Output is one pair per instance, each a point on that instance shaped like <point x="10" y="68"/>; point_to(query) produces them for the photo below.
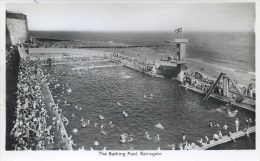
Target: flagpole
<point x="181" y="33"/>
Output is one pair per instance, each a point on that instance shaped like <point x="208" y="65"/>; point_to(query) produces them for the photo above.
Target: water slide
<point x="212" y="88"/>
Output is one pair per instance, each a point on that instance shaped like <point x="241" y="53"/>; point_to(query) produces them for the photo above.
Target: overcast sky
<point x="139" y="16"/>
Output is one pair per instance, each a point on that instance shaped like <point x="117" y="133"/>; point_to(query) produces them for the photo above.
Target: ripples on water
<point x="110" y="91"/>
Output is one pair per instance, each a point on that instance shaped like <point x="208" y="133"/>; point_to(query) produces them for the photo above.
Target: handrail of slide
<point x="212" y="88"/>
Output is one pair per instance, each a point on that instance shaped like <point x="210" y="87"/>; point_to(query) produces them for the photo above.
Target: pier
<point x="226" y="139"/>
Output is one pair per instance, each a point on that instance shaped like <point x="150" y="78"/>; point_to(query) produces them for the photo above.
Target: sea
<point x="149" y="101"/>
<point x="208" y="52"/>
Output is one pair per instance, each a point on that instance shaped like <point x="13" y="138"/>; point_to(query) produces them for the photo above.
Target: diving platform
<point x="226" y="139"/>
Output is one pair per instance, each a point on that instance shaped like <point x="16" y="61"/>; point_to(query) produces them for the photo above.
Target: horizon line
<point x="96" y="31"/>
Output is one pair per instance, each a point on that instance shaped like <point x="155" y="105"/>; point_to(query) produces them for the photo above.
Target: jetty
<point x="226" y="138"/>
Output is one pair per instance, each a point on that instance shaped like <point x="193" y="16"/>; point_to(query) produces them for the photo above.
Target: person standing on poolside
<point x="237" y="124"/>
<point x="183" y="137"/>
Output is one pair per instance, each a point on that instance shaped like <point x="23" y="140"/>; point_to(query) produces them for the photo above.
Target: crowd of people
<point x="217" y="135"/>
<point x="32" y="132"/>
<point x="30" y="129"/>
<point x="66" y="59"/>
<point x="35" y="125"/>
<point x="198" y="81"/>
<point x="138" y="64"/>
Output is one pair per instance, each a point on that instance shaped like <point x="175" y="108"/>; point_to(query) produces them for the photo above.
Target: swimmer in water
<point x="83" y="124"/>
<point x="101" y="126"/>
<point x="103" y="132"/>
<point x="130" y="139"/>
<point x="73" y="115"/>
<point x="95" y="124"/>
<point x="200" y="141"/>
<point x="217" y="125"/>
<point x="76" y="107"/>
<point x="247" y="122"/>
<point x="147" y="135"/>
<point x="96" y="143"/>
<point x="75" y="130"/>
<point x="125" y="114"/>
<point x="79" y="108"/>
<point x="250" y="120"/>
<point x="123" y="137"/>
<point x="159" y="125"/>
<point x="69" y="90"/>
<point x="225" y="127"/>
<point x="215" y="136"/>
<point x="101" y="117"/>
<point x="157" y="137"/>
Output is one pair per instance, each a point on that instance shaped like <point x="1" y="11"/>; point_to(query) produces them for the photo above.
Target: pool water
<point x="147" y="101"/>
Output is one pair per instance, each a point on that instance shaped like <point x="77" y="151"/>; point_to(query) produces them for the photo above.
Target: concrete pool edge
<point x="49" y="99"/>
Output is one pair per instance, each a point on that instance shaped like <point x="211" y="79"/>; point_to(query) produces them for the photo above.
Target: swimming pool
<point x="147" y="101"/>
